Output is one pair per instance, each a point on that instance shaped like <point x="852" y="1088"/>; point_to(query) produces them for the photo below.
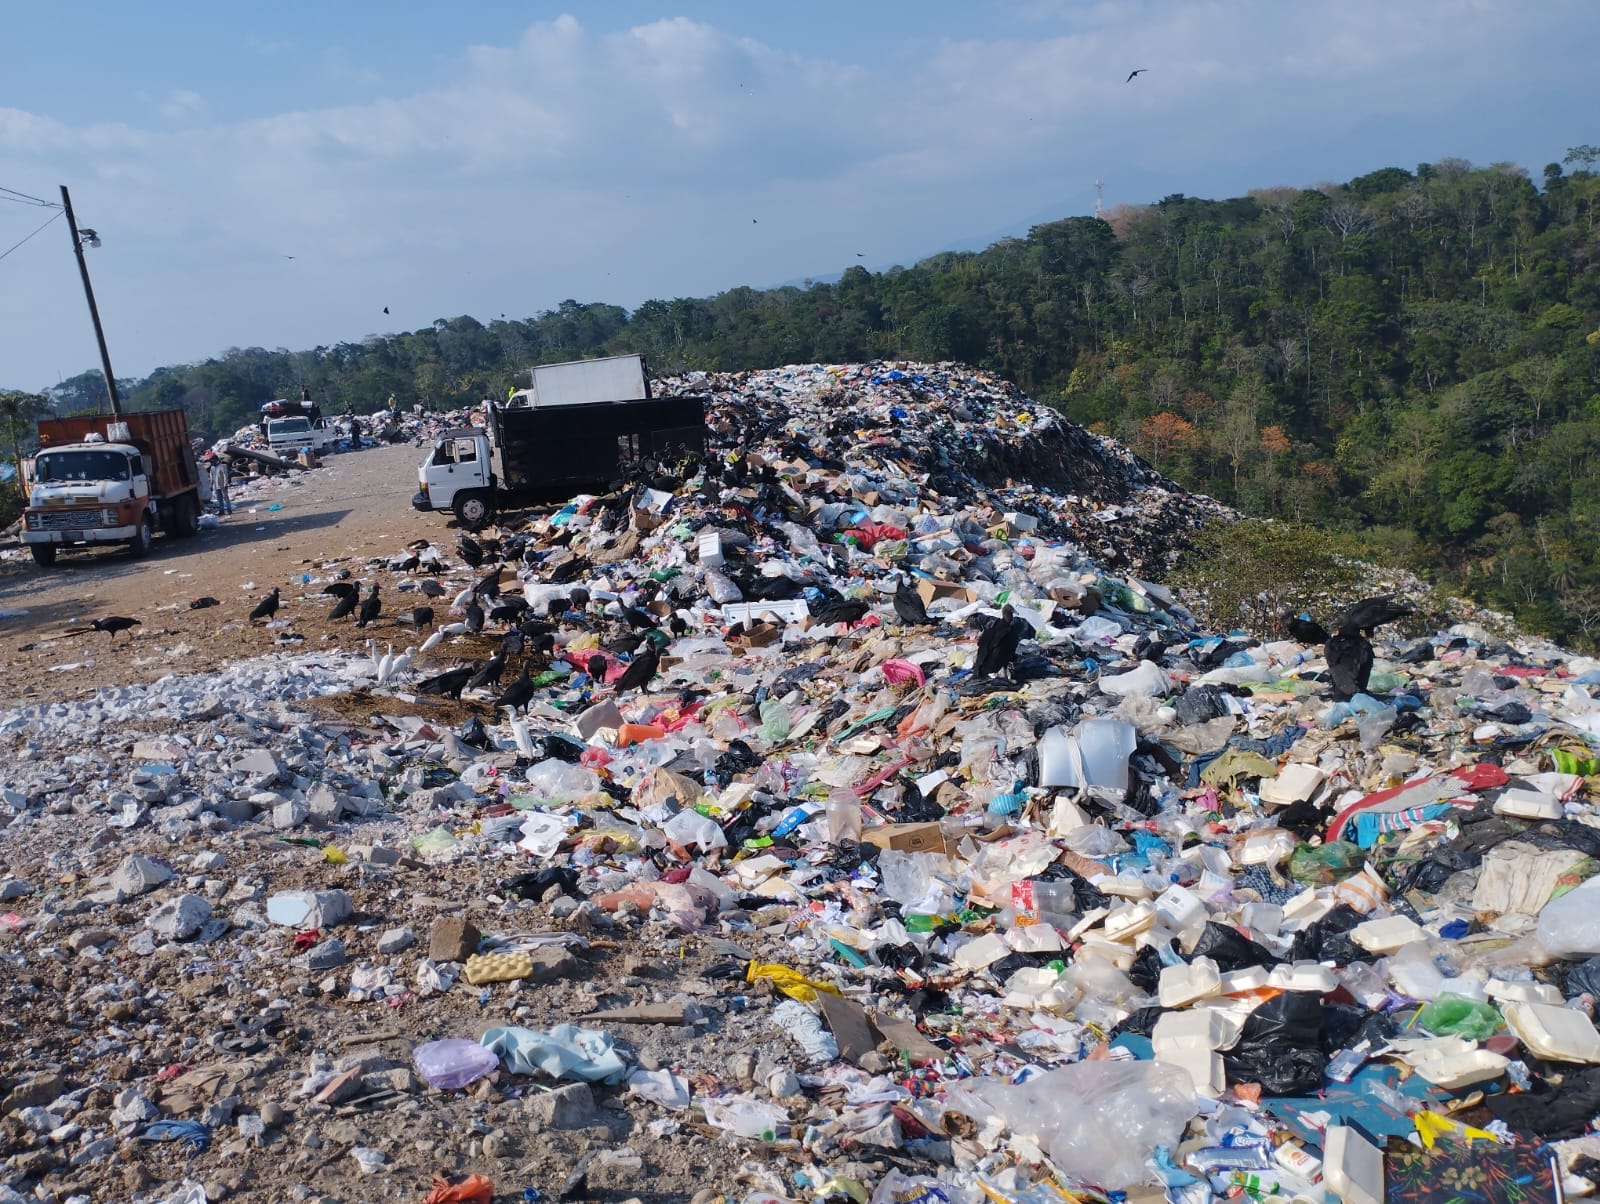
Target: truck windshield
<point x="289" y="426"/>
<point x="80" y="466"/>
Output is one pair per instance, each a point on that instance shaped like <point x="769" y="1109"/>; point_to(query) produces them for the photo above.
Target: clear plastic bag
<point x="1100" y="1122"/>
<point x="1570" y="926"/>
<point x="555" y="782"/>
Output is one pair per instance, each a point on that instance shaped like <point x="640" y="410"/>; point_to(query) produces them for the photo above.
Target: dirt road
<point x="355" y="506"/>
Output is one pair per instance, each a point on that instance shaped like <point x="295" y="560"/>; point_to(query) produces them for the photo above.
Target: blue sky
<point x="498" y="158"/>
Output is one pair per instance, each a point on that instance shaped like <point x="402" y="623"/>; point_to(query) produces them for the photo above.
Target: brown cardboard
<point x="907" y="838"/>
<point x="931" y="591"/>
<point x="761" y="635"/>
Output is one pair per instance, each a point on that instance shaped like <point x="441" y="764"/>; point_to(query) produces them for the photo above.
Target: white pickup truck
<point x="287" y="436"/>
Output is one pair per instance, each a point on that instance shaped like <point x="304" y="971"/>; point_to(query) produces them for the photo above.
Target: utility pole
<point x="1097" y="200"/>
<point x="88" y="292"/>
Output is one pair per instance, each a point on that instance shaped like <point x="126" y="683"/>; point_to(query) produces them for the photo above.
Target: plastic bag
<point x="1457" y="1016"/>
<point x="1229" y="949"/>
<point x="556" y="782"/>
<point x="1100" y="1122"/>
<point x="1570" y="926"/>
<point x="1323" y="865"/>
<point x="454" y="1062"/>
<point x="1280" y="1046"/>
<point x="806" y="1029"/>
<point x="1328" y="940"/>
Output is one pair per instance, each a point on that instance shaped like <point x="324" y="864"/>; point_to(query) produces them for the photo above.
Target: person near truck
<point x="221" y="478"/>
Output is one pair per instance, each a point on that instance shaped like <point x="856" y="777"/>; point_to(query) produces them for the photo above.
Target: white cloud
<point x="619" y="164"/>
<point x="182" y="103"/>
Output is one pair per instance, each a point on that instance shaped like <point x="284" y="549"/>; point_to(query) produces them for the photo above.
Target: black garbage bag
<point x="1583" y="980"/>
<point x="1146" y="971"/>
<point x="1141" y="1024"/>
<point x="559" y="747"/>
<point x="1552" y="1114"/>
<point x="473" y="733"/>
<point x="1280" y="1046"/>
<point x="533" y="885"/>
<point x="1230" y="950"/>
<point x="1512" y="713"/>
<point x="914" y="807"/>
<point x="738" y="759"/>
<point x="1328" y="940"/>
<point x="1200" y="704"/>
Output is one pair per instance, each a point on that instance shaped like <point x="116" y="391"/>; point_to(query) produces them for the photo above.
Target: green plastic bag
<point x="1457" y="1016"/>
<point x="1324" y="865"/>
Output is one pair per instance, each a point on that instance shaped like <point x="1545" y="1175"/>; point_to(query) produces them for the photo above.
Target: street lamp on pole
<point x="81" y="239"/>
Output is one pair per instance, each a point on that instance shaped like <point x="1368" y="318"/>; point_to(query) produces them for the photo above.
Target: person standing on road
<point x="221" y="478"/>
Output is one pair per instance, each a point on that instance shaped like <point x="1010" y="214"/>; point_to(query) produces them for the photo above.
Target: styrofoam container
<point x="1303" y="976"/>
<point x="1463" y="1069"/>
<point x="1206" y="1028"/>
<point x="1203" y="1066"/>
<point x="1121" y="887"/>
<point x="1263" y="918"/>
<point x="1522" y="992"/>
<point x="1529" y="804"/>
<point x="1118" y="954"/>
<point x="1388" y="934"/>
<point x="1129" y="922"/>
<point x="1295" y="783"/>
<point x="710" y="550"/>
<point x="1251" y="978"/>
<point x="1181" y="908"/>
<point x="1306" y="908"/>
<point x="1352" y="1167"/>
<point x="1183" y="985"/>
<point x="1559" y="1034"/>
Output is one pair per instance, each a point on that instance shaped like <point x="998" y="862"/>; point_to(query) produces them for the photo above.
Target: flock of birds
<point x="1348" y="649"/>
<point x="479" y="609"/>
<point x="629" y="639"/>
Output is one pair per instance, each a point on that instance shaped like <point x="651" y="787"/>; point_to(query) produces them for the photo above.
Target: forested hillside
<point x="1413" y="354"/>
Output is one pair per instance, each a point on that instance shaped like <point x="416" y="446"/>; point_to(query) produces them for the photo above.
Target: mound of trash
<point x="826" y="817"/>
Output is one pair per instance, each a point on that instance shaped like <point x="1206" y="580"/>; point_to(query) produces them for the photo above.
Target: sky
<point x="278" y="176"/>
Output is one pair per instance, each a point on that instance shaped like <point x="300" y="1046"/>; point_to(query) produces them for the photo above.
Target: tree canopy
<point x="1414" y="355"/>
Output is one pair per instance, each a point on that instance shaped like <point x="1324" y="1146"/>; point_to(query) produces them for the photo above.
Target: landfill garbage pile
<point x="945" y="437"/>
<point x="776" y="829"/>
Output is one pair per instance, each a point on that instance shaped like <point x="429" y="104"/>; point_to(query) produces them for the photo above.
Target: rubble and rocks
<point x="814" y="910"/>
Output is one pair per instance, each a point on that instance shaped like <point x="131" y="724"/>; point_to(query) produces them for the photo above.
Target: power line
<point x="15" y="245"/>
<point x="22" y="198"/>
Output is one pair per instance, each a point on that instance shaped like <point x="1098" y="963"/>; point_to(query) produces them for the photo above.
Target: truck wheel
<point x="472" y="509"/>
<point x="186" y="517"/>
<point x="44" y="554"/>
<point x="141" y="542"/>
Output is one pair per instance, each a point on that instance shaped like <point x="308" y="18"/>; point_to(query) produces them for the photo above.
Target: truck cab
<point x="457" y="474"/>
<point x="94" y="481"/>
<point x="285" y="436"/>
